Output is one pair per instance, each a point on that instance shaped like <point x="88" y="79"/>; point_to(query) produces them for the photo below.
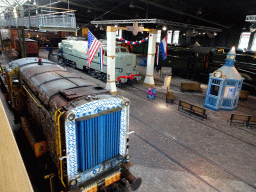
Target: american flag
<point x="93" y="46"/>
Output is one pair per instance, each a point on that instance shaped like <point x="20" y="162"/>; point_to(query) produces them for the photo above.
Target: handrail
<point x="31" y="96"/>
<point x="57" y="116"/>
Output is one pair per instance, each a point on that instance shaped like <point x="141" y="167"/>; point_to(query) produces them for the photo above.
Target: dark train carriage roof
<point x="53" y="80"/>
<point x="26" y="61"/>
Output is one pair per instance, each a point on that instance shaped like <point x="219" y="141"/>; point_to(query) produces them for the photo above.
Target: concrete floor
<point x="173" y="151"/>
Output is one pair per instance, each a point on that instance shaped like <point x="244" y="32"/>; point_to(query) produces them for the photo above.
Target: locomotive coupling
<point x="135" y="182"/>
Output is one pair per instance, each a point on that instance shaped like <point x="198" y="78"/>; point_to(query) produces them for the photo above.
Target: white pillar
<point x="111" y="60"/>
<point x="149" y="80"/>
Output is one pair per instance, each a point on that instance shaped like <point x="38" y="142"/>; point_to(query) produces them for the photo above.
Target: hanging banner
<point x="157" y="55"/>
<point x="101" y="58"/>
<point x="133" y="42"/>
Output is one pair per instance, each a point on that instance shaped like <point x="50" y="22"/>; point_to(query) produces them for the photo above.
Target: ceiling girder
<point x="95" y="8"/>
<point x="157" y="21"/>
<point x="182" y="13"/>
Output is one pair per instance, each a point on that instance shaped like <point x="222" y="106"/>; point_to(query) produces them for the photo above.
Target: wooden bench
<point x="245" y="119"/>
<point x="169" y="96"/>
<point x="192" y="109"/>
<point x="244" y="95"/>
<point x="190" y="87"/>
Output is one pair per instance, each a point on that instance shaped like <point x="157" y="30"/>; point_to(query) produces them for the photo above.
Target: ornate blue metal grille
<point x="97" y="140"/>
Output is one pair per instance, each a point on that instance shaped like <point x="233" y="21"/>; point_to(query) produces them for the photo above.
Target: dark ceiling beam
<point x="95" y="8"/>
<point x="182" y="13"/>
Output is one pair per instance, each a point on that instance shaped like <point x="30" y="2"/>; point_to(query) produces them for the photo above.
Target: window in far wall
<point x="169" y="36"/>
<point x="158" y="37"/>
<point x="244" y="40"/>
<point x="176" y="36"/>
<point x="119" y="33"/>
<point x="254" y="43"/>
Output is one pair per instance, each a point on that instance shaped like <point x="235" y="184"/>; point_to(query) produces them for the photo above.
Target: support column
<point x="149" y="80"/>
<point x="111" y="60"/>
<point x="22" y="42"/>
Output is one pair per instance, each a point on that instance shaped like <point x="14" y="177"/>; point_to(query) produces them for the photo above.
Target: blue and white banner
<point x="163" y="47"/>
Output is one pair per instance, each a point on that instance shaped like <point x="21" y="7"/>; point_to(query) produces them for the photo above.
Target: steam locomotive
<point x="198" y="62"/>
<point x="85" y="128"/>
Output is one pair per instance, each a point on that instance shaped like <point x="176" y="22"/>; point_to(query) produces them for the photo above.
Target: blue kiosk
<point x="224" y="86"/>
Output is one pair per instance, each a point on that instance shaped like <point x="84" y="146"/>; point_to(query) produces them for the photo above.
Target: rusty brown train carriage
<point x="85" y="127"/>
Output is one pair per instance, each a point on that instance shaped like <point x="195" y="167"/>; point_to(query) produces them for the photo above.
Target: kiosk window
<point x="215" y="90"/>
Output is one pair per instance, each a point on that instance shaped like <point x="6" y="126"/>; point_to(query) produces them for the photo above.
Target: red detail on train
<point x="131" y="77"/>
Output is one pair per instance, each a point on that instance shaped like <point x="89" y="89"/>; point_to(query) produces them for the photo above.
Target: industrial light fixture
<point x="131" y="5"/>
<point x="215" y="33"/>
<point x="89" y="11"/>
<point x="34" y="2"/>
<point x="252" y="28"/>
<point x="164" y="28"/>
<point x="115" y="25"/>
<point x="199" y="11"/>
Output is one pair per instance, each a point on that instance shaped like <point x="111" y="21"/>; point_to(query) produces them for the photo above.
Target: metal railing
<point x="65" y="19"/>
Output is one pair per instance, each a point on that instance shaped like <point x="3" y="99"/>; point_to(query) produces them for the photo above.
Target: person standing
<point x="50" y="52"/>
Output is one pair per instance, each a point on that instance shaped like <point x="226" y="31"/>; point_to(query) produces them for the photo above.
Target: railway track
<point x="162" y="96"/>
<point x="187" y="147"/>
<point x="191" y="150"/>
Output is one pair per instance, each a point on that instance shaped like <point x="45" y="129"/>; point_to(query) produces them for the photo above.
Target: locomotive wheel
<point x="104" y="78"/>
<point x="85" y="69"/>
<point x="130" y="82"/>
<point x="64" y="62"/>
<point x="60" y="61"/>
<point x="100" y="76"/>
<point x="120" y="85"/>
<point x="95" y="75"/>
<point x="73" y="65"/>
<point x="92" y="73"/>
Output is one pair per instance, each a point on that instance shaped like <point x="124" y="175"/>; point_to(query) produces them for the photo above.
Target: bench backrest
<point x="253" y="119"/>
<point x="191" y="86"/>
<point x="184" y="104"/>
<point x="198" y="109"/>
<point x="239" y="117"/>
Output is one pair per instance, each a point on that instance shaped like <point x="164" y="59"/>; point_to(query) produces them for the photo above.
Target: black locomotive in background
<point x="198" y="62"/>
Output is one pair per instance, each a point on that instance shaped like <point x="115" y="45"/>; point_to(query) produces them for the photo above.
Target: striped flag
<point x="101" y="58"/>
<point x="163" y="47"/>
<point x="157" y="55"/>
<point x="93" y="46"/>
